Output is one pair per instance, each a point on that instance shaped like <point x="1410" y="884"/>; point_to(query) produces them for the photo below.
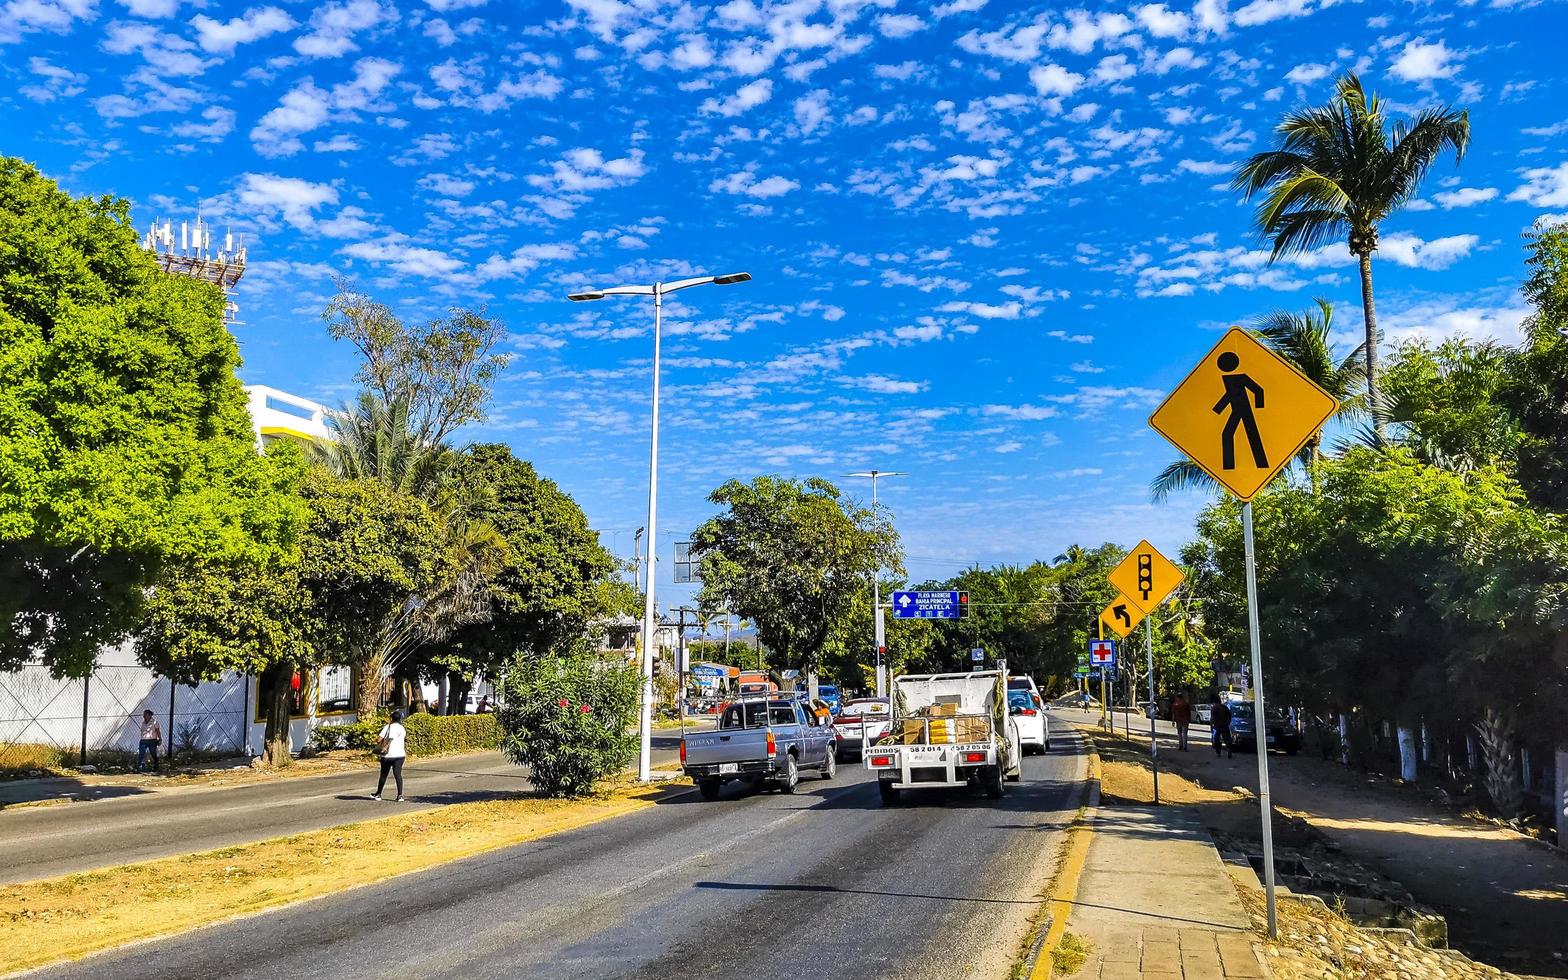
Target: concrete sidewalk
<point x="1155" y="903"/>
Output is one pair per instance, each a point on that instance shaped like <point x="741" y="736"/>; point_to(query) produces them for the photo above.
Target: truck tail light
<point x="881" y="760"/>
<point x="1028" y="712"/>
<point x="683" y="751"/>
<point x="974" y="756"/>
<point x="773" y="747"/>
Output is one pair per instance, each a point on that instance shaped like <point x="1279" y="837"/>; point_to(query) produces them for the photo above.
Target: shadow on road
<point x="835" y="890"/>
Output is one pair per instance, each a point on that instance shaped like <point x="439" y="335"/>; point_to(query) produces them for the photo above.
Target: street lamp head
<point x="732" y="278"/>
<point x="584" y="297"/>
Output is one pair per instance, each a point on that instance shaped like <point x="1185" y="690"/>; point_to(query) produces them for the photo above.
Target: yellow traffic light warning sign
<point x="1243" y="413"/>
<point x="1145" y="577"/>
<point x="1121" y="616"/>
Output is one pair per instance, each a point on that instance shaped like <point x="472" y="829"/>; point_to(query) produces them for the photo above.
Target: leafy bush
<point x="427" y="734"/>
<point x="568" y="719"/>
<point x="433" y="735"/>
<point x="360" y="736"/>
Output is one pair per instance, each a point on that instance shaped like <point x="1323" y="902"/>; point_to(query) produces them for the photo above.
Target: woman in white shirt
<point x="390" y="745"/>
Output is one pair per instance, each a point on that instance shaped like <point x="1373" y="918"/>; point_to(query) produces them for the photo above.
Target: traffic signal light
<point x="963" y="605"/>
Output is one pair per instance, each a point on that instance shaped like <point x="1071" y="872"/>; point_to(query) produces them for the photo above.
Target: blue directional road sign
<point x="925" y="605"/>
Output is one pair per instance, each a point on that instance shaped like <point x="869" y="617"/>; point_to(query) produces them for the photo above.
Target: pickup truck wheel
<point x="709" y="788"/>
<point x="991" y="782"/>
<point x="791" y="777"/>
<point x="887" y="791"/>
<point x="830" y="767"/>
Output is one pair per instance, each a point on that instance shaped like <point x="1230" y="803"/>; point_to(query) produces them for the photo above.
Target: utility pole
<point x="878" y="639"/>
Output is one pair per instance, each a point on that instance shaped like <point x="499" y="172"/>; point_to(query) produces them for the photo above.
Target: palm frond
<point x="1181" y="475"/>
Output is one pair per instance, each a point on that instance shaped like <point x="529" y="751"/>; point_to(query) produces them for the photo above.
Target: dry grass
<point x="1070" y="954"/>
<point x="66" y="918"/>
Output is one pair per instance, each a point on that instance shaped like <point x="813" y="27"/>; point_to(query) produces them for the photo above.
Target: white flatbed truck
<point x="985" y="761"/>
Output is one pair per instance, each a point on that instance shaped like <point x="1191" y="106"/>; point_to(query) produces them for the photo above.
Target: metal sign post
<point x="1154" y="742"/>
<point x="881" y="641"/>
<point x="1259" y="718"/>
<point x="1241" y="415"/>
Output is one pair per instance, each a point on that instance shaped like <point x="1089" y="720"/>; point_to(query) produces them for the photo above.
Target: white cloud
<point x="883" y="385"/>
<point x="1114" y="68"/>
<point x="1422" y="62"/>
<point x="1083" y="30"/>
<point x="1544" y="187"/>
<point x="1263" y="11"/>
<point x="333" y="26"/>
<point x="394" y="251"/>
<point x="747" y="97"/>
<point x="221" y="37"/>
<point x="811" y="111"/>
<point x="985" y="311"/>
<point x="1413" y="253"/>
<point x="1161" y="21"/>
<point x="1055" y="80"/>
<point x="54" y="82"/>
<point x="1011" y="446"/>
<point x="1072" y="338"/>
<point x="1440" y="319"/>
<point x="1022" y="413"/>
<point x="745" y="182"/>
<point x="900" y="25"/>
<point x="1307" y="74"/>
<point x="302" y="109"/>
<point x="219" y="123"/>
<point x="524" y="260"/>
<point x="295" y="199"/>
<point x="1465" y="197"/>
<point x="945" y="10"/>
<point x="1208" y="168"/>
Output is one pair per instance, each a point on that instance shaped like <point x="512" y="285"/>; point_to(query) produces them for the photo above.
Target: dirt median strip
<point x="60" y="919"/>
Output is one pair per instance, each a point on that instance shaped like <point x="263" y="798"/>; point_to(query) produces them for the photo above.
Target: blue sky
<point x="986" y="237"/>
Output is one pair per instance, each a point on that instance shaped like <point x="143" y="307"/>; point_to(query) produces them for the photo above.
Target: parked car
<point x="1202" y="713"/>
<point x="1028" y="713"/>
<point x="761" y="739"/>
<point x="1278" y="732"/>
<point x="861" y="723"/>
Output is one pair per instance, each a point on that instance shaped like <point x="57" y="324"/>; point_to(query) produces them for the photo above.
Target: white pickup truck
<point x="985" y="751"/>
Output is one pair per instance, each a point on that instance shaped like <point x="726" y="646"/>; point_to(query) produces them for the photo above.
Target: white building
<point x="279" y="415"/>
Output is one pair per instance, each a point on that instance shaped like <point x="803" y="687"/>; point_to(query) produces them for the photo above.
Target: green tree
<point x="549" y="579"/>
<point x="1538" y="395"/>
<point x="124" y="439"/>
<point x="790" y="556"/>
<point x="1339" y="170"/>
<point x="376" y="559"/>
<point x="440" y="373"/>
<point x="1303" y="339"/>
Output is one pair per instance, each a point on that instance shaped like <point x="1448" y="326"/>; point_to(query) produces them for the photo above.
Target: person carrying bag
<point x="390" y="746"/>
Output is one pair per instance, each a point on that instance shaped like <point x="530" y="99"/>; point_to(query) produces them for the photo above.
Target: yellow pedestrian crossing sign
<point x="1121" y="616"/>
<point x="1145" y="577"/>
<point x="1243" y="413"/>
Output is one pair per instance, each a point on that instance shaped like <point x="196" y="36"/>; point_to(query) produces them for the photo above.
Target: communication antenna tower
<point x="192" y="254"/>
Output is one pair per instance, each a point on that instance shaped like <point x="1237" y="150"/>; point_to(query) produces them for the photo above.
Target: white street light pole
<point x="876" y="585"/>
<point x="657" y="291"/>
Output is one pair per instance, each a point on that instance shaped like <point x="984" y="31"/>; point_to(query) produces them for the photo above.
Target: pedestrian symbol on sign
<point x="1238" y="388"/>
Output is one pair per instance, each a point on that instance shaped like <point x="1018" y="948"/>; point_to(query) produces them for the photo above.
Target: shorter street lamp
<point x="657" y="291"/>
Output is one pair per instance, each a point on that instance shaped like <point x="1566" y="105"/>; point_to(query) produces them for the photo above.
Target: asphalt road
<point x="826" y="883"/>
<point x="42" y="842"/>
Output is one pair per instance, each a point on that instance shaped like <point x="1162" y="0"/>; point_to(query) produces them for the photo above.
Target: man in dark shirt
<point x="1219" y="719"/>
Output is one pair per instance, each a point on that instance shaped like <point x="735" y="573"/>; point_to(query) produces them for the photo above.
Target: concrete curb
<point x="1038" y="964"/>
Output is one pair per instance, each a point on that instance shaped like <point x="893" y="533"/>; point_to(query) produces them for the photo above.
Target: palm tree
<point x="1303" y="339"/>
<point x="377" y="440"/>
<point x="1339" y="171"/>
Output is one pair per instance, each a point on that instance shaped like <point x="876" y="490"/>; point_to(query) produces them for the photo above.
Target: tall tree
<point x="124" y="439"/>
<point x="790" y="556"/>
<point x="441" y="372"/>
<point x="547" y="581"/>
<point x="1339" y="170"/>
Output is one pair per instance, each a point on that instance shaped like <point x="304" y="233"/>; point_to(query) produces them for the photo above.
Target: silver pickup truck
<point x="765" y="739"/>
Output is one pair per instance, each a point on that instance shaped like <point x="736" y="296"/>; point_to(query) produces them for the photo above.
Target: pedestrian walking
<point x="1219" y="719"/>
<point x="151" y="738"/>
<point x="1181" y="715"/>
<point x="390" y="745"/>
